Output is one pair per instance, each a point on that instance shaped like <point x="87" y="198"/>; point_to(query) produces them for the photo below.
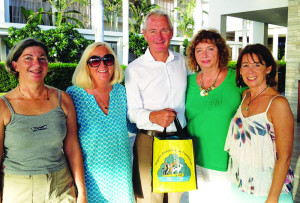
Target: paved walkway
<point x="295" y="163"/>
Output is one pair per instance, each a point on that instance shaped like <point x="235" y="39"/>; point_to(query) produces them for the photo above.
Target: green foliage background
<point x="137" y="44"/>
<point x="65" y="43"/>
<point x="59" y="76"/>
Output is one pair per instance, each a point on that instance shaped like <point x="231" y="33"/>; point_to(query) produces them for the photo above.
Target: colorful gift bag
<point x="173" y="163"/>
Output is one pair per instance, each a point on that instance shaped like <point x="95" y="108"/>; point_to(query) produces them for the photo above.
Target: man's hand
<point x="162" y="117"/>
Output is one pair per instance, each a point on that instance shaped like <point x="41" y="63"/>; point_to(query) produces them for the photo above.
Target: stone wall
<point x="293" y="54"/>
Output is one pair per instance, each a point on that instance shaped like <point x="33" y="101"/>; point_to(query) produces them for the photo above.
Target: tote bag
<point x="173" y="162"/>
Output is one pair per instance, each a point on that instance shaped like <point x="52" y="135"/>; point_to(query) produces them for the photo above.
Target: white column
<point x="256" y="34"/>
<point x="6" y="7"/>
<point x="98" y="19"/>
<point x="2" y="11"/>
<point x="223" y="26"/>
<point x="235" y="48"/>
<point x="175" y="19"/>
<point x="275" y="45"/>
<point x="266" y="32"/>
<point x="125" y="4"/>
<point x="198" y="16"/>
<point x="2" y="50"/>
<point x="244" y="33"/>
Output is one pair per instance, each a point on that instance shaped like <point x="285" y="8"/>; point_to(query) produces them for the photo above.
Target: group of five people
<point x="251" y="126"/>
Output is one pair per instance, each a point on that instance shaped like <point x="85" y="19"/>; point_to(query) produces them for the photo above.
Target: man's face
<point x="158" y="34"/>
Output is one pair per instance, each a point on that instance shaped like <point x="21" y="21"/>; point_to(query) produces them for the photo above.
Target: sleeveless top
<point x="34" y="144"/>
<point x="251" y="145"/>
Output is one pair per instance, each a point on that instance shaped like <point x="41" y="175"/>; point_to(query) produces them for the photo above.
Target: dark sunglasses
<point x="95" y="61"/>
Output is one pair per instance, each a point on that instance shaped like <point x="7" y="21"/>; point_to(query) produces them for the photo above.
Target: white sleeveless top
<point x="251" y="145"/>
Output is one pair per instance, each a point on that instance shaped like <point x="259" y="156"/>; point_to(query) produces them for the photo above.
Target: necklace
<point x="47" y="98"/>
<point x="251" y="100"/>
<point x="205" y="92"/>
<point x="104" y="104"/>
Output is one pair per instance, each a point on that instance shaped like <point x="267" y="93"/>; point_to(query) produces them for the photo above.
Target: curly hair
<point x="264" y="56"/>
<point x="210" y="36"/>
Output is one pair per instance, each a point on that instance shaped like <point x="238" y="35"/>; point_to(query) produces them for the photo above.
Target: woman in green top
<point x="211" y="101"/>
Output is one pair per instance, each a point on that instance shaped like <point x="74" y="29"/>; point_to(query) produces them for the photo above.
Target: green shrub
<point x="137" y="44"/>
<point x="185" y="44"/>
<point x="59" y="76"/>
<point x="232" y="65"/>
<point x="65" y="43"/>
<point x="7" y="81"/>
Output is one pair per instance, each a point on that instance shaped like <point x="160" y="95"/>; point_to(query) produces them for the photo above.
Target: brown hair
<point x="265" y="57"/>
<point x="210" y="36"/>
<point x="17" y="50"/>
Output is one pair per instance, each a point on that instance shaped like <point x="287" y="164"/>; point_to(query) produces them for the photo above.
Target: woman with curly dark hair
<point x="211" y="101"/>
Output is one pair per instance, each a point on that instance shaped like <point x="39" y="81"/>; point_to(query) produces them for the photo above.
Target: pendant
<point x="204" y="93"/>
<point x="246" y="109"/>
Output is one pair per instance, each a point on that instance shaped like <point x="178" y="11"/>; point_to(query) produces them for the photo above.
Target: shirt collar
<point x="150" y="58"/>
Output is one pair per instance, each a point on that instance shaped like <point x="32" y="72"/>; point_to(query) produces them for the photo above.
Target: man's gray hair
<point x="157" y="13"/>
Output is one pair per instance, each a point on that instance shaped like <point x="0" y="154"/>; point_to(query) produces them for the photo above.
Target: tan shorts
<point x="53" y="187"/>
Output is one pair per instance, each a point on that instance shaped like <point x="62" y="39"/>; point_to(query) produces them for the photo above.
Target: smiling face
<point x="253" y="72"/>
<point x="32" y="65"/>
<point x="102" y="73"/>
<point x="207" y="55"/>
<point x="158" y="34"/>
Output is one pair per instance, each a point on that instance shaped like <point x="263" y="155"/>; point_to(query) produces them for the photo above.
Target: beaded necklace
<point x="205" y="92"/>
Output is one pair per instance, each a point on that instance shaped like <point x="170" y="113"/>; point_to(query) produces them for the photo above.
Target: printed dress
<point x="251" y="146"/>
<point x="105" y="146"/>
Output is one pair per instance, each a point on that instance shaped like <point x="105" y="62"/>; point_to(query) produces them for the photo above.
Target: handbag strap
<point x="180" y="132"/>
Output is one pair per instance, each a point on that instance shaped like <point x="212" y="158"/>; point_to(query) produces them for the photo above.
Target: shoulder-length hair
<point x="81" y="76"/>
<point x="17" y="50"/>
<point x="210" y="36"/>
<point x="265" y="57"/>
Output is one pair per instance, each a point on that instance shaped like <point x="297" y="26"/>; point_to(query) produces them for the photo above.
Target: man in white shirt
<point x="155" y="86"/>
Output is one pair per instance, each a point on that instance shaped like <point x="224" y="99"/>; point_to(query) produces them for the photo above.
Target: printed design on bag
<point x="174" y="169"/>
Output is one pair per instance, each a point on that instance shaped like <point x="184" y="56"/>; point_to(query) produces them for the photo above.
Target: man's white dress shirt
<point x="154" y="85"/>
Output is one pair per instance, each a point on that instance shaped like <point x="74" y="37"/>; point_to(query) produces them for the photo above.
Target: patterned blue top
<point x="105" y="145"/>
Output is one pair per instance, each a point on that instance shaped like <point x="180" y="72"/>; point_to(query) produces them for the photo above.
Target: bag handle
<point x="180" y="132"/>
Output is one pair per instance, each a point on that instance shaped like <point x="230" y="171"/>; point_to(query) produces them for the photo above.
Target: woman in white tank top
<point x="260" y="137"/>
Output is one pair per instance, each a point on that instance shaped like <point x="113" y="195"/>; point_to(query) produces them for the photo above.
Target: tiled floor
<point x="296" y="163"/>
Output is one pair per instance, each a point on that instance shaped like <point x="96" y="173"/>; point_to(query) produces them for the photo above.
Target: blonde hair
<point x="81" y="76"/>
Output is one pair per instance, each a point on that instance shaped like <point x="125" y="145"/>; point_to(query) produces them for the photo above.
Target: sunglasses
<point x="95" y="61"/>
